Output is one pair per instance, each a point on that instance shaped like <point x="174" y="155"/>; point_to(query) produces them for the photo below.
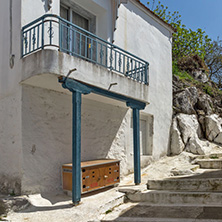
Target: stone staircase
<point x="196" y="197"/>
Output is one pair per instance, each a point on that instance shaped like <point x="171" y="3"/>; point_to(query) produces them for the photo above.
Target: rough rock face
<point x="185" y="135"/>
<point x="197" y="105"/>
<point x="214" y="128"/>
<point x="192" y="100"/>
<point x="177" y="145"/>
<point x="204" y="103"/>
<point x="200" y="76"/>
<point x="189" y="127"/>
<point x="185" y="100"/>
<point x="197" y="146"/>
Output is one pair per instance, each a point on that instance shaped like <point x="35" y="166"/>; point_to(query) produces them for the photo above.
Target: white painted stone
<point x="176" y="145"/>
<point x="156" y="49"/>
<point x="218" y="139"/>
<point x="213" y="127"/>
<point x="189" y="126"/>
<point x="10" y="98"/>
<point x="197" y="146"/>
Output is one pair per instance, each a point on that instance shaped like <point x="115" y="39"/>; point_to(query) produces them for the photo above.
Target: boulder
<point x="189" y="127"/>
<point x="197" y="146"/>
<point x="200" y="75"/>
<point x="218" y="139"/>
<point x="185" y="100"/>
<point x="204" y="103"/>
<point x="213" y="127"/>
<point x="201" y="119"/>
<point x="176" y="143"/>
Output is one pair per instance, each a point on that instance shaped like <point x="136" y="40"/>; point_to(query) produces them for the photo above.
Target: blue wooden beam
<point x="72" y="84"/>
<point x="136" y="145"/>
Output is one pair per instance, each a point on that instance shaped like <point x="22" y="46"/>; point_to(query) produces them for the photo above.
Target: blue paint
<point x="77" y="87"/>
<point x="72" y="39"/>
<point x="77" y="90"/>
<point x="136" y="146"/>
<point x="76" y="147"/>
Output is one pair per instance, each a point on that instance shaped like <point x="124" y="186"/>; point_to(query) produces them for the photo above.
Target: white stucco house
<point x="117" y="55"/>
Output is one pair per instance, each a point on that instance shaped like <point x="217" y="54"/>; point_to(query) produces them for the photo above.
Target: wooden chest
<point x="96" y="174"/>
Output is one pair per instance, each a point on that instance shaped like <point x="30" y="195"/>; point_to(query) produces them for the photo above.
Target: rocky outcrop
<point x="213" y="125"/>
<point x="177" y="144"/>
<point x="193" y="100"/>
<point x="200" y="76"/>
<point x="197" y="109"/>
<point x="185" y="100"/>
<point x="186" y="134"/>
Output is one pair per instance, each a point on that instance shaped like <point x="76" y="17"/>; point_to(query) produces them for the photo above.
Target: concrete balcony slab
<point x="42" y="68"/>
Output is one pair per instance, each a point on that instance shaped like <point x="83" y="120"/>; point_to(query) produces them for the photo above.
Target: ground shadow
<point x="170" y="212"/>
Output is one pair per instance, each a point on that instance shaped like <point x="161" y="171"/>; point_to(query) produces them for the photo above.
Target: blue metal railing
<point x="53" y="31"/>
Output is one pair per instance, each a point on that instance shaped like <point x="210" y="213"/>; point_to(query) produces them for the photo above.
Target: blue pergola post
<point x="136" y="145"/>
<point x="76" y="147"/>
<point x="136" y="107"/>
<point x="77" y="90"/>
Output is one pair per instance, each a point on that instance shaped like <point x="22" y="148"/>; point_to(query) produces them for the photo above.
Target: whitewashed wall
<point x="10" y="98"/>
<point x="35" y="123"/>
<point x="138" y="33"/>
<point x="47" y="136"/>
<point x="32" y="10"/>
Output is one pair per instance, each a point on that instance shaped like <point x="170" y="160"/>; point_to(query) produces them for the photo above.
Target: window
<point x="75" y="41"/>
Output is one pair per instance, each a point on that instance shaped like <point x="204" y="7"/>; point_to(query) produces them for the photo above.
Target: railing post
<point x="146" y="74"/>
<point x="22" y="40"/>
<point x="43" y="33"/>
<point x="110" y="56"/>
<point x="60" y="35"/>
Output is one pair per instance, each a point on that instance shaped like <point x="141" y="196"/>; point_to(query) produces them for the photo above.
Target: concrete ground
<point x="165" y="213"/>
<point x="107" y="204"/>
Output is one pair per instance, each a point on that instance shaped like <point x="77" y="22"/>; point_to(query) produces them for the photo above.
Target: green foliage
<point x="214" y="157"/>
<point x="208" y="90"/>
<point x="183" y="75"/>
<point x="185" y="41"/>
<point x="108" y="211"/>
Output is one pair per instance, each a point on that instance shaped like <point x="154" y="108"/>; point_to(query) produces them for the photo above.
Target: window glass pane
<point x="64" y="12"/>
<point x="80" y="21"/>
<point x="82" y="43"/>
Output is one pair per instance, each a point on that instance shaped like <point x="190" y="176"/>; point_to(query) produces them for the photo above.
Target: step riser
<point x="207" y="185"/>
<point x="139" y="219"/>
<point x="210" y="164"/>
<point x="153" y="197"/>
<point x="211" y="156"/>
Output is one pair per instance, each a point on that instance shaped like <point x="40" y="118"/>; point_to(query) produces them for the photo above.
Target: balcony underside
<point x="43" y="67"/>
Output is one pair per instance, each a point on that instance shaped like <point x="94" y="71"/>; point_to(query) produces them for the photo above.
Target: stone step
<point x="168" y="213"/>
<point x="210" y="156"/>
<point x="210" y="163"/>
<point x="141" y="219"/>
<point x="175" y="197"/>
<point x="187" y="184"/>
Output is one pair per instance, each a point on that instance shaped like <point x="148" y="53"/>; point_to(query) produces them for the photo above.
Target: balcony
<point x="53" y="32"/>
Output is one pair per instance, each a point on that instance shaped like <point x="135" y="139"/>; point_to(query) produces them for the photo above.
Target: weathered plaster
<point x="140" y="34"/>
<point x="35" y="129"/>
<point x="47" y="135"/>
<point x="59" y="63"/>
<point x="10" y="98"/>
